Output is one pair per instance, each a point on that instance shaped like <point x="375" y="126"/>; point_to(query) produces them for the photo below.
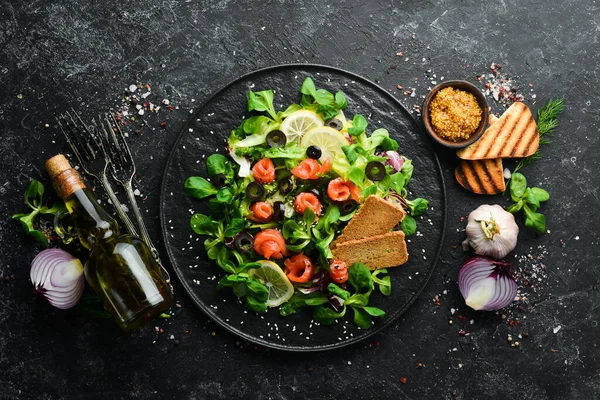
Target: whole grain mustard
<point x="455" y="114"/>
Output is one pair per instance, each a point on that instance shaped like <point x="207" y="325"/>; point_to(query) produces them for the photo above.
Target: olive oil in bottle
<point x="120" y="268"/>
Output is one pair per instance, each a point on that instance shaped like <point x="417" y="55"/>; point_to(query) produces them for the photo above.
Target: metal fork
<point x="123" y="170"/>
<point x="87" y="145"/>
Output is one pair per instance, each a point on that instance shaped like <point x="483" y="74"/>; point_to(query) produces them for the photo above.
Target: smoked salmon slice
<point x="264" y="171"/>
<point x="270" y="243"/>
<point x="261" y="212"/>
<point x="299" y="268"/>
<point x="307" y="169"/>
<point x="307" y="199"/>
<point x="311" y="169"/>
<point x="341" y="190"/>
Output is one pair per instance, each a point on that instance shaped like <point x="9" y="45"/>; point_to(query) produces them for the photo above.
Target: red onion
<point x="486" y="284"/>
<point x="58" y="276"/>
<point x="395" y="159"/>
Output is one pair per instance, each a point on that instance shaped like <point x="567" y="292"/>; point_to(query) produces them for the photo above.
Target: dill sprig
<point x="546" y="123"/>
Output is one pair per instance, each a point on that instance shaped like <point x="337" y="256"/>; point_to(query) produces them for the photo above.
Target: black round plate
<point x="206" y="133"/>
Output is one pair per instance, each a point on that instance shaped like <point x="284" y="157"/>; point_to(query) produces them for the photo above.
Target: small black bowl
<point x="469" y="88"/>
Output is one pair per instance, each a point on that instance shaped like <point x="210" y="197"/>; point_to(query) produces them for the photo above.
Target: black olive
<point x="244" y="242"/>
<point x="335" y="124"/>
<point x="255" y="191"/>
<point x="219" y="180"/>
<point x="316" y="192"/>
<point x="346" y="207"/>
<point x="276" y="138"/>
<point x="278" y="211"/>
<point x="314" y="152"/>
<point x="285" y="185"/>
<point x="375" y="171"/>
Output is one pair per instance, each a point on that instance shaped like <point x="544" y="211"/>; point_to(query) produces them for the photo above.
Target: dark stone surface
<point x="84" y="54"/>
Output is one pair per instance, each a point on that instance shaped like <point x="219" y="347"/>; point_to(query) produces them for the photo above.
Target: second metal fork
<point x="87" y="145"/>
<point x="123" y="170"/>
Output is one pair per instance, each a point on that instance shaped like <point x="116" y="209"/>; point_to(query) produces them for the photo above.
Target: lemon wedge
<point x="271" y="275"/>
<point x="298" y="123"/>
<point x="329" y="140"/>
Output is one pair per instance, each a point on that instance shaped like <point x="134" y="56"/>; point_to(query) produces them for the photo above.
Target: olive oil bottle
<point x="120" y="268"/>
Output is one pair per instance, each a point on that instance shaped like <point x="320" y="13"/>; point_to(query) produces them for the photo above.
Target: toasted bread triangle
<point x="375" y="217"/>
<point x="514" y="135"/>
<point x="481" y="176"/>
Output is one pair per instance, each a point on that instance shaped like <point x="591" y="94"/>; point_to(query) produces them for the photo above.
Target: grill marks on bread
<point x="513" y="135"/>
<point x="481" y="176"/>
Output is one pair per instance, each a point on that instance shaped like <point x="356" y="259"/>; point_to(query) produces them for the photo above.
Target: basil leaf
<point x="258" y="125"/>
<point x="397" y="182"/>
<point x="340" y="100"/>
<point x="350" y="153"/>
<point x="368" y="191"/>
<point x="362" y="319"/>
<point x="374" y="311"/>
<point x="515" y="207"/>
<point x="359" y="277"/>
<point x="224" y="262"/>
<point x="260" y="101"/>
<point x="216" y="164"/>
<point x="253" y="304"/>
<point x="34" y="194"/>
<point x="359" y="299"/>
<point x="540" y="193"/>
<point x="359" y="124"/>
<point x="323" y="97"/>
<point x="235" y="226"/>
<point x="531" y="199"/>
<point x="288" y="111"/>
<point x="518" y="185"/>
<point x="198" y="187"/>
<point x="357" y="176"/>
<point x="257" y="290"/>
<point x="533" y="220"/>
<point x="327" y="111"/>
<point x="338" y="291"/>
<point x="325" y="315"/>
<point x="417" y="206"/>
<point x="408" y="225"/>
<point x="308" y="87"/>
<point x="309" y="217"/>
<point x="385" y="285"/>
<point x="289" y="227"/>
<point x="224" y="195"/>
<point x="203" y="225"/>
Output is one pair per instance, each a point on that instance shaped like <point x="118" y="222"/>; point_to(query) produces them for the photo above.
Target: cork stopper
<point x="64" y="178"/>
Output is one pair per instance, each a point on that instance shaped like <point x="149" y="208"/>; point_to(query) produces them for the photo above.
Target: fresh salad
<point x="290" y="183"/>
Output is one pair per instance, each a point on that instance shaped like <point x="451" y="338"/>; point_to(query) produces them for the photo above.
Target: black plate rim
<point x="207" y="310"/>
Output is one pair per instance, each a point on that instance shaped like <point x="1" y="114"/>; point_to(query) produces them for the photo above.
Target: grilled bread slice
<point x="514" y="135"/>
<point x="481" y="176"/>
<point x="376" y="252"/>
<point x="376" y="216"/>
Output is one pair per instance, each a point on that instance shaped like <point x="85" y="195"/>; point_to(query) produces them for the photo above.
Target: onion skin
<point x="496" y="244"/>
<point x="486" y="284"/>
<point x="57" y="276"/>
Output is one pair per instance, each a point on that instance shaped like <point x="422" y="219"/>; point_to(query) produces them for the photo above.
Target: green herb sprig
<point x="34" y="198"/>
<point x="528" y="199"/>
<point x="546" y="123"/>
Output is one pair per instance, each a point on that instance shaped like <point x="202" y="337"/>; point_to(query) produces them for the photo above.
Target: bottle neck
<point x="94" y="225"/>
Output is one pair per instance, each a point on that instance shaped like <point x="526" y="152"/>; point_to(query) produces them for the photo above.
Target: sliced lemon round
<point x="298" y="123"/>
<point x="271" y="275"/>
<point x="329" y="140"/>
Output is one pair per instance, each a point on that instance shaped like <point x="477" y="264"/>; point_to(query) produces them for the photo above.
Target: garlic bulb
<point x="492" y="231"/>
